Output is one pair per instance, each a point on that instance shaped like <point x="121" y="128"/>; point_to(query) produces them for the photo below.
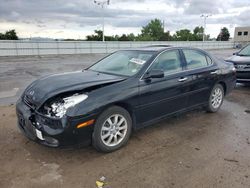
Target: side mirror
<point x="235" y="53"/>
<point x="155" y="73"/>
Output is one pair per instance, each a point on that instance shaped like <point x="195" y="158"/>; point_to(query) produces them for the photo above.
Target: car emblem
<point x="31" y="92"/>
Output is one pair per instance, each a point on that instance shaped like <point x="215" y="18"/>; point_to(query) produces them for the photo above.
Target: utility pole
<point x="102" y="3"/>
<point x="205" y="16"/>
<point x="163" y="23"/>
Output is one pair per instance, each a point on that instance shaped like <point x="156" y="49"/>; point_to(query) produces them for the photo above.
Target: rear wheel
<point x="216" y="98"/>
<point x="112" y="129"/>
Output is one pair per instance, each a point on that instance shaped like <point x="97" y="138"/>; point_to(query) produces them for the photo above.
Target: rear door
<point x="161" y="96"/>
<point x="203" y="72"/>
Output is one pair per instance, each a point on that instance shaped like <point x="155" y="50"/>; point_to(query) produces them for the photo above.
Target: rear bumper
<point x="55" y="132"/>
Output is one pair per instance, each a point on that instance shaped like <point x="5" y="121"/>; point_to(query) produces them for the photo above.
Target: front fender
<point x="103" y="97"/>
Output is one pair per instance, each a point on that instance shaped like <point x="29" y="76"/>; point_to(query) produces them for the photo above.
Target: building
<point x="242" y="34"/>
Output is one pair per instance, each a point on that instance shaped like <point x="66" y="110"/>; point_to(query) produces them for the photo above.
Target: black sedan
<point x="125" y="91"/>
<point x="241" y="61"/>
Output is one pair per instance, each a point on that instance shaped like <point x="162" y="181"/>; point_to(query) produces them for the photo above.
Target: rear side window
<point x="195" y="59"/>
<point x="169" y="62"/>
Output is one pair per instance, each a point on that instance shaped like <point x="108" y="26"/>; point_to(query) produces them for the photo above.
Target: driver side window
<point x="169" y="62"/>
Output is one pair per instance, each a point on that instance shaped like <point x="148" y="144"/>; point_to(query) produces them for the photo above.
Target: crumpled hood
<point x="239" y="59"/>
<point x="44" y="88"/>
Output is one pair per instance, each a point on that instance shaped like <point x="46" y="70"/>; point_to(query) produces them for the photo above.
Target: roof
<point x="155" y="48"/>
<point x="160" y="48"/>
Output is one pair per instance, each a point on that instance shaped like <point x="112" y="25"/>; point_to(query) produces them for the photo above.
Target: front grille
<point x="247" y="67"/>
<point x="242" y="66"/>
<point x="28" y="102"/>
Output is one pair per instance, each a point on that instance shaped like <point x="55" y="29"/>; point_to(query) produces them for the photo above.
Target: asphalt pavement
<point x="192" y="150"/>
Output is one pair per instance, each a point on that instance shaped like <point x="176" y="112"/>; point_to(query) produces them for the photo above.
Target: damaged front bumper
<point x="54" y="132"/>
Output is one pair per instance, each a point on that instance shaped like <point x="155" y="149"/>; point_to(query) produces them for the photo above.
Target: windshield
<point x="126" y="63"/>
<point x="245" y="51"/>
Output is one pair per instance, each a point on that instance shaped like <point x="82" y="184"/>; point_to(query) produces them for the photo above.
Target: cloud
<point x="200" y="7"/>
<point x="43" y="16"/>
<point x="41" y="25"/>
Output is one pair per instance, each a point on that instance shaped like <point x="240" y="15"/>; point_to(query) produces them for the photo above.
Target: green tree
<point x="198" y="33"/>
<point x="166" y="36"/>
<point x="116" y="37"/>
<point x="207" y="37"/>
<point x="183" y="35"/>
<point x="223" y="35"/>
<point x="110" y="38"/>
<point x="131" y="37"/>
<point x="95" y="37"/>
<point x="123" y="38"/>
<point x="2" y="37"/>
<point x="9" y="35"/>
<point x="144" y="38"/>
<point x="154" y="30"/>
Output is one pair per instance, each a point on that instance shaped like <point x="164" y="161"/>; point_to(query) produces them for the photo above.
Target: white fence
<point x="19" y="48"/>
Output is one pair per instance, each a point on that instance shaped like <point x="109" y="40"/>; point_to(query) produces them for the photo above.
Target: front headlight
<point x="59" y="108"/>
<point x="234" y="69"/>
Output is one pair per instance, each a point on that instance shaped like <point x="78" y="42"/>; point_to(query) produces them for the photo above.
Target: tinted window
<point x="168" y="61"/>
<point x="195" y="59"/>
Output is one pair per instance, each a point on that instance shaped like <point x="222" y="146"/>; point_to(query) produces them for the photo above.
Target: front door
<point x="162" y="96"/>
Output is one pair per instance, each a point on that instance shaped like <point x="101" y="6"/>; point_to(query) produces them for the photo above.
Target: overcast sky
<point x="78" y="18"/>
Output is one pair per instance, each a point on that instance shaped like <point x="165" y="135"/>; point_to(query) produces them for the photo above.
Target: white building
<point x="242" y="34"/>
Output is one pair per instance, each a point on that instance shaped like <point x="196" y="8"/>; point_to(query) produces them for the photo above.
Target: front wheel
<point x="216" y="98"/>
<point x="112" y="129"/>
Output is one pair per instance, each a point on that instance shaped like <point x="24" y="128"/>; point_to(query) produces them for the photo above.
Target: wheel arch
<point x="129" y="108"/>
<point x="224" y="86"/>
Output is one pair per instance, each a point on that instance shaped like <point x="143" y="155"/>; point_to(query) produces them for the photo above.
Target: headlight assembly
<point x="59" y="108"/>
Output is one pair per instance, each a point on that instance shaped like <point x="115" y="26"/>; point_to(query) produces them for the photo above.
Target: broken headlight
<point x="59" y="107"/>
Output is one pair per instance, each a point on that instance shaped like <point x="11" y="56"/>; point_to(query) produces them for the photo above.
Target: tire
<point x="216" y="98"/>
<point x="112" y="129"/>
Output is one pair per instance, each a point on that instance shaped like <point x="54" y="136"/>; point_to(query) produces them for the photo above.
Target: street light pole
<point x="205" y="16"/>
<point x="102" y="3"/>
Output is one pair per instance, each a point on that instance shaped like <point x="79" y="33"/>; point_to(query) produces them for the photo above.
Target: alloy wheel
<point x="217" y="97"/>
<point x="114" y="130"/>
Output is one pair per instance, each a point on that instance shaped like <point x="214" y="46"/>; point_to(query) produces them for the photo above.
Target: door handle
<point x="214" y="72"/>
<point x="182" y="79"/>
